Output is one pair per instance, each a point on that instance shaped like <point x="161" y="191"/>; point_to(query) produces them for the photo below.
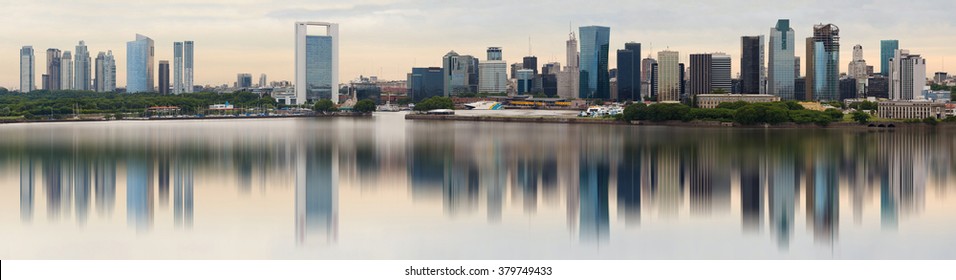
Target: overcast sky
<point x="387" y="37"/>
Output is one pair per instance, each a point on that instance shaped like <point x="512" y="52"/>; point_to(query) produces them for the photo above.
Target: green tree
<point x="635" y="111"/>
<point x="435" y="102"/>
<point x="930" y="121"/>
<point x="834" y="114"/>
<point x="364" y="106"/>
<point x="861" y="117"/>
<point x="324" y="106"/>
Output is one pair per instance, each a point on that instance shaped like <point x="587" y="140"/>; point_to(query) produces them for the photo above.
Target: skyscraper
<point x="455" y="74"/>
<point x="316" y="63"/>
<point x="887" y="49"/>
<point x="105" y="72"/>
<point x="53" y="60"/>
<point x="701" y="78"/>
<point x="163" y="77"/>
<point x="825" y="82"/>
<point x="178" y="86"/>
<point x="647" y="80"/>
<point x="81" y="63"/>
<point x="668" y="76"/>
<point x="244" y="80"/>
<point x="752" y="72"/>
<point x="189" y="68"/>
<point x="524" y="78"/>
<point x="139" y="65"/>
<point x="780" y="65"/>
<point x="857" y="70"/>
<point x="27" y="72"/>
<point x="424" y="83"/>
<point x="66" y="71"/>
<point x="493" y="73"/>
<point x="595" y="82"/>
<point x="262" y="80"/>
<point x="530" y="62"/>
<point x="568" y="85"/>
<point x="629" y="72"/>
<point x="720" y="72"/>
<point x="907" y="75"/>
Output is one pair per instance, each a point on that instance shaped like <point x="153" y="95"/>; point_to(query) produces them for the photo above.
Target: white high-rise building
<point x="857" y="70"/>
<point x="262" y="81"/>
<point x="568" y="79"/>
<point x="493" y="73"/>
<point x="27" y="72"/>
<point x="907" y="76"/>
<point x="105" y="71"/>
<point x="66" y="71"/>
<point x="81" y="61"/>
<point x="178" y="87"/>
<point x="189" y="66"/>
<point x="316" y="63"/>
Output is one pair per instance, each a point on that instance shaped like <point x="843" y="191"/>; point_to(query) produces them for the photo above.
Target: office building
<point x="887" y="49"/>
<point x="595" y="82"/>
<point x="139" y="65"/>
<point x="493" y="73"/>
<point x="629" y="72"/>
<point x="53" y="60"/>
<point x="424" y="83"/>
<point x="163" y="77"/>
<point x="66" y="71"/>
<point x="178" y="85"/>
<point x="243" y="80"/>
<point x="316" y="63"/>
<point x="189" y="68"/>
<point x="712" y="100"/>
<point x="720" y="72"/>
<point x="524" y="81"/>
<point x="752" y="71"/>
<point x="823" y="63"/>
<point x="907" y="76"/>
<point x="857" y="69"/>
<point x="530" y="62"/>
<point x="262" y="81"/>
<point x="796" y="67"/>
<point x="668" y="76"/>
<point x="646" y="78"/>
<point x="700" y="73"/>
<point x="683" y="79"/>
<point x="81" y="63"/>
<point x="27" y="70"/>
<point x="780" y="68"/>
<point x="848" y="88"/>
<point x="568" y="85"/>
<point x="911" y="109"/>
<point x="878" y="86"/>
<point x="655" y="72"/>
<point x="105" y="80"/>
<point x="457" y="71"/>
<point x="940" y="77"/>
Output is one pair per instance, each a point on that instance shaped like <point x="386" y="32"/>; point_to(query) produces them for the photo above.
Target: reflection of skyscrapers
<point x="316" y="195"/>
<point x="781" y="167"/>
<point x="824" y="198"/>
<point x="82" y="190"/>
<point x="593" y="188"/>
<point x="26" y="189"/>
<point x="629" y="184"/>
<point x="105" y="185"/>
<point x="139" y="195"/>
<point x="751" y="192"/>
<point x="183" y="192"/>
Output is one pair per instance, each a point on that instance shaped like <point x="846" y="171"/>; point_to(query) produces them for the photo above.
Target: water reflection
<point x="771" y="182"/>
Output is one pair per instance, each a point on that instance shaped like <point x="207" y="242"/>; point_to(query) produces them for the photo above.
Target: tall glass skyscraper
<point x="139" y="64"/>
<point x="27" y="72"/>
<point x="105" y="80"/>
<point x="751" y="64"/>
<point x="81" y="62"/>
<point x="595" y="82"/>
<point x="316" y="63"/>
<point x="178" y="68"/>
<point x="826" y="63"/>
<point x="780" y="66"/>
<point x="887" y="50"/>
<point x="629" y="72"/>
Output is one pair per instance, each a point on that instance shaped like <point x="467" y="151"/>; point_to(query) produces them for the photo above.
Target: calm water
<point x="386" y="188"/>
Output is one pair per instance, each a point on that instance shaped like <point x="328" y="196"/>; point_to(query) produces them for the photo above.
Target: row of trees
<point x="740" y="112"/>
<point x="67" y="102"/>
<point x="327" y="106"/>
<point x="433" y="103"/>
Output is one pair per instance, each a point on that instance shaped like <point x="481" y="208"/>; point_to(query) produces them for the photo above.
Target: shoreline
<point x="25" y="121"/>
<point x="702" y="124"/>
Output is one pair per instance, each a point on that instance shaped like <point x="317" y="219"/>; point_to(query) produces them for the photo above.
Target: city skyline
<point x="374" y="33"/>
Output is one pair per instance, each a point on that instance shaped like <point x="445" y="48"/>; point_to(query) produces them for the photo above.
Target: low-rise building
<point x="712" y="100"/>
<point x="914" y="109"/>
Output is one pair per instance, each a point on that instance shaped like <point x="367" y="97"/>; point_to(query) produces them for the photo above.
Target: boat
<point x="388" y="107"/>
<point x="484" y="105"/>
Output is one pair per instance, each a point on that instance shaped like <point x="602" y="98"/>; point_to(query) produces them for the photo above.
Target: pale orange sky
<point x="388" y="37"/>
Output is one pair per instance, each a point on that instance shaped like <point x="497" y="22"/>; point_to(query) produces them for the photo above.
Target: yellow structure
<point x="816" y="106"/>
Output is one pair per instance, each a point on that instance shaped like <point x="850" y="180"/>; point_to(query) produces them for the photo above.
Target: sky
<point x="386" y="38"/>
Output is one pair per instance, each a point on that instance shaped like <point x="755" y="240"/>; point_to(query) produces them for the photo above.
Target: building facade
<point x="66" y="71"/>
<point x="780" y="75"/>
<point x="457" y="72"/>
<point x="720" y="72"/>
<point x="595" y="82"/>
<point x="139" y="65"/>
<point x="53" y="60"/>
<point x="524" y="81"/>
<point x="244" y="80"/>
<point x="858" y="70"/>
<point x="178" y="86"/>
<point x="27" y="70"/>
<point x="701" y="78"/>
<point x="629" y="72"/>
<point x="911" y="109"/>
<point x="752" y="71"/>
<point x="567" y="80"/>
<point x="189" y="66"/>
<point x="907" y="76"/>
<point x="105" y="70"/>
<point x="316" y="63"/>
<point x="711" y="101"/>
<point x="163" y="77"/>
<point x="424" y="83"/>
<point x="824" y="83"/>
<point x="668" y="76"/>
